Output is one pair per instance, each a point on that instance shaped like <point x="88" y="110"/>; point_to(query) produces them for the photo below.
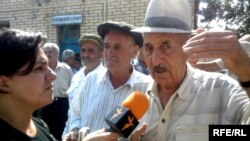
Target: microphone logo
<point x="118" y="112"/>
<point x="129" y="124"/>
<point x="124" y="118"/>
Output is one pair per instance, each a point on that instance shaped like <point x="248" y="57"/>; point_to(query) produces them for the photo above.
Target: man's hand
<point x="135" y="136"/>
<point x="220" y="44"/>
<point x="72" y="136"/>
<point x="102" y="135"/>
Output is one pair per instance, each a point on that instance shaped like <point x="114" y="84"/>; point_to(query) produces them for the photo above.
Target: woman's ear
<point x="4" y="88"/>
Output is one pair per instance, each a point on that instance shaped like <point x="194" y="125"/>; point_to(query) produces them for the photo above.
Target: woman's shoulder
<point x="43" y="132"/>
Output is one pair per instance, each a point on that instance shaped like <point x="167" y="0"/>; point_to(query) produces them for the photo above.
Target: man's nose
<point x="156" y="57"/>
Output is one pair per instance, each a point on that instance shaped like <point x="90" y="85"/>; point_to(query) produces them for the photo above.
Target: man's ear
<point x="135" y="50"/>
<point x="4" y="87"/>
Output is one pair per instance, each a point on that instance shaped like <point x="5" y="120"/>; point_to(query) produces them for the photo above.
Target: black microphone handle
<point x="110" y="129"/>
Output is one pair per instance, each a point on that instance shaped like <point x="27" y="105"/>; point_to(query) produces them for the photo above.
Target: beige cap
<point x="93" y="38"/>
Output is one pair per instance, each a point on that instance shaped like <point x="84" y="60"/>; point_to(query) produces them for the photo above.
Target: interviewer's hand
<point x="102" y="135"/>
<point x="72" y="136"/>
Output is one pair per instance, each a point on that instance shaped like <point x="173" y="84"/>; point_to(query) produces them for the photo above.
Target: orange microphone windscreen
<point x="137" y="103"/>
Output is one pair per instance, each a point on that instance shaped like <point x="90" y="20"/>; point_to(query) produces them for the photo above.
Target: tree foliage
<point x="231" y="15"/>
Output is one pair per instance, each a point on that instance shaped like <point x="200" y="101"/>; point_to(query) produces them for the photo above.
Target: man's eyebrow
<point x="147" y="44"/>
<point x="165" y="42"/>
<point x="117" y="44"/>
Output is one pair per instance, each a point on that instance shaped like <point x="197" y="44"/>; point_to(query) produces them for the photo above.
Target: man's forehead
<point x="156" y="36"/>
<point x="152" y="38"/>
<point x="165" y="35"/>
<point x="48" y="49"/>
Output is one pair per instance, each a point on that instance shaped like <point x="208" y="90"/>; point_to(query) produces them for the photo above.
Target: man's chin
<point x="159" y="74"/>
<point x="111" y="64"/>
<point x="86" y="63"/>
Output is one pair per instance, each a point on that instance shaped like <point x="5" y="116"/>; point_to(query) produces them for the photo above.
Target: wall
<point x="36" y="14"/>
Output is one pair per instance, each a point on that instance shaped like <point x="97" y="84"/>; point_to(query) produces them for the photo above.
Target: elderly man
<point x="103" y="91"/>
<point x="68" y="57"/>
<point x="55" y="114"/>
<point x="91" y="46"/>
<point x="185" y="100"/>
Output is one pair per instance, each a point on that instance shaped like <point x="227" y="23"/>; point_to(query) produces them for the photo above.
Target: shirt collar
<point x="184" y="89"/>
<point x="59" y="65"/>
<point x="131" y="81"/>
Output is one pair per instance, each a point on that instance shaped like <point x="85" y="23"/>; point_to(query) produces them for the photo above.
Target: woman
<point x="25" y="86"/>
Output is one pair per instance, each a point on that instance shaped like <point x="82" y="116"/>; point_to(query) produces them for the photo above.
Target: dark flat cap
<point x="93" y="38"/>
<point x="103" y="28"/>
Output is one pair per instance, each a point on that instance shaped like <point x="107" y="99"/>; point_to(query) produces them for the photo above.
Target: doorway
<point x="68" y="38"/>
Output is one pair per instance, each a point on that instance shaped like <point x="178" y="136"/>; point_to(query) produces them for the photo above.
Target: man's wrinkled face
<point x="119" y="50"/>
<point x="164" y="56"/>
<point x="51" y="53"/>
<point x="90" y="53"/>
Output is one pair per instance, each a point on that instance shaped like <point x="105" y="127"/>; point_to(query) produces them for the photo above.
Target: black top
<point x="8" y="133"/>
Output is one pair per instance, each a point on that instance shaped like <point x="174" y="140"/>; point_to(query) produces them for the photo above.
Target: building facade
<point x="63" y="21"/>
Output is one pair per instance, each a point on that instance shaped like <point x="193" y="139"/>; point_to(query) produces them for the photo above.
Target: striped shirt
<point x="98" y="98"/>
<point x="203" y="98"/>
<point x="76" y="87"/>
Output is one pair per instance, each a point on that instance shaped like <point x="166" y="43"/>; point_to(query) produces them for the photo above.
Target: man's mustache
<point x="86" y="58"/>
<point x="159" y="69"/>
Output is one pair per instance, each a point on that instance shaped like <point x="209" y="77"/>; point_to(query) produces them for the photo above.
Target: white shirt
<point x="78" y="80"/>
<point x="98" y="98"/>
<point x="203" y="98"/>
<point x="63" y="79"/>
<point x="76" y="87"/>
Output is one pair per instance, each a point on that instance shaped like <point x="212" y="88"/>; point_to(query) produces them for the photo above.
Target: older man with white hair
<point x="55" y="114"/>
<point x="68" y="57"/>
<point x="184" y="100"/>
<point x="103" y="91"/>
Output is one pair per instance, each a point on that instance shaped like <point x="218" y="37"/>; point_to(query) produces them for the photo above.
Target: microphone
<point x="124" y="118"/>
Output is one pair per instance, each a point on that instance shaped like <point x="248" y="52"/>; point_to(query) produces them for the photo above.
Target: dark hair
<point x="18" y="48"/>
